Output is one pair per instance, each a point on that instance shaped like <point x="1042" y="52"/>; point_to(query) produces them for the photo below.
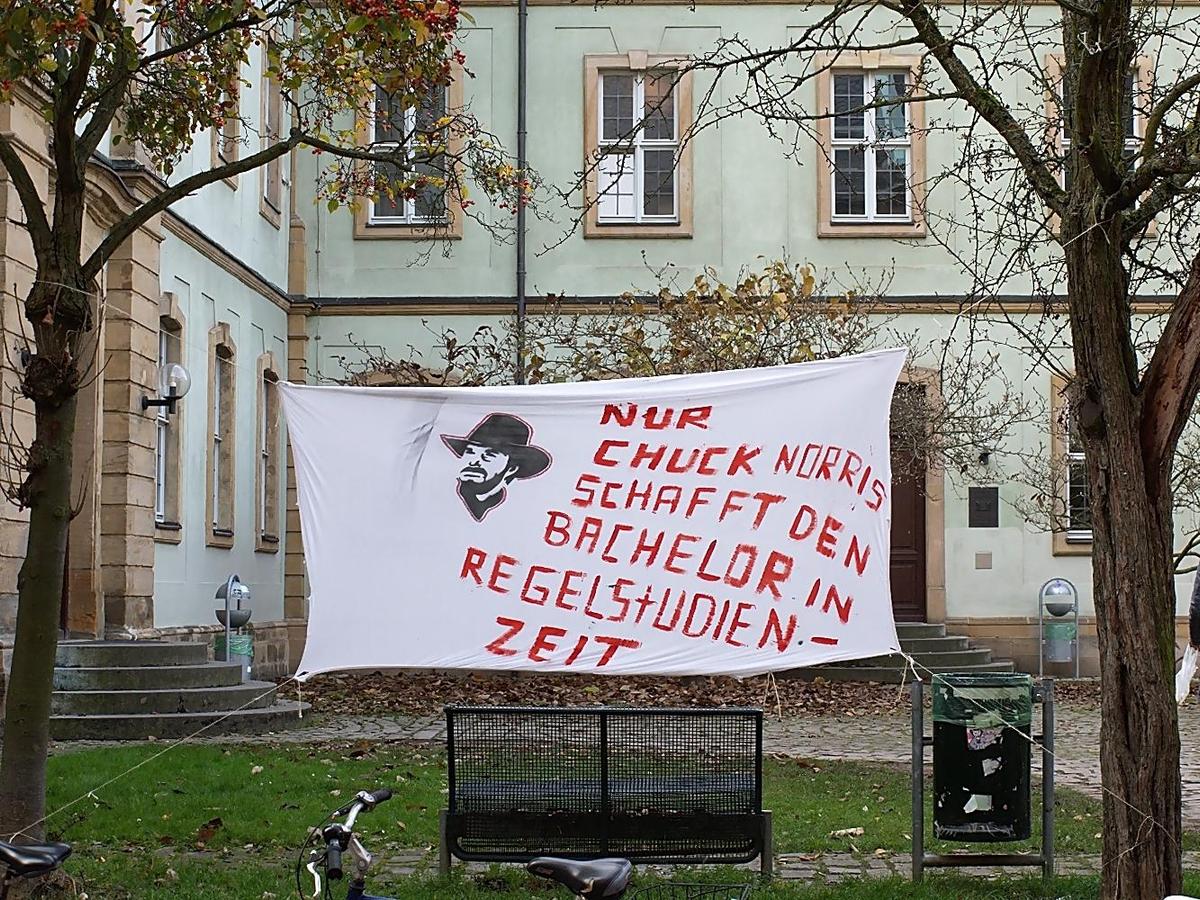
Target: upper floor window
<point x="1131" y="123"/>
<point x="272" y="132"/>
<point x="871" y="176"/>
<point x="395" y="127"/>
<point x="227" y="138"/>
<point x="872" y="147"/>
<point x="639" y="147"/>
<point x="639" y="170"/>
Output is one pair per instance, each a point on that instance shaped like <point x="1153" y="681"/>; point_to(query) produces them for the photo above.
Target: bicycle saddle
<point x="591" y="878"/>
<point x="32" y="859"/>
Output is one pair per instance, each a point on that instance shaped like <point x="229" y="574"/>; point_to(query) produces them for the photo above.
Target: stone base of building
<point x="275" y="652"/>
<point x="1017" y="638"/>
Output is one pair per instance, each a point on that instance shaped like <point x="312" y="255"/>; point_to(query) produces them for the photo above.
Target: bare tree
<point x="1062" y="200"/>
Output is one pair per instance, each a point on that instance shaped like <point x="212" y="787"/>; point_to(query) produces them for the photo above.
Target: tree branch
<point x="987" y="104"/>
<point x="174" y="192"/>
<point x="1087" y="106"/>
<point x="1172" y="380"/>
<point x="1154" y="120"/>
<point x="77" y="79"/>
<point x="106" y="103"/>
<point x="31" y="201"/>
<point x="232" y="25"/>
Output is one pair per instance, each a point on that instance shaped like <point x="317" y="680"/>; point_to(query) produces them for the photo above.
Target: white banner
<point x="727" y="523"/>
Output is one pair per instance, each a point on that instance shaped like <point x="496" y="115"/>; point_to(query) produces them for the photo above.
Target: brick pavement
<point x="827" y="868"/>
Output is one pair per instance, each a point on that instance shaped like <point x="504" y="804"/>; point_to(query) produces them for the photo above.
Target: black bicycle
<point x="29" y="861"/>
<point x="340" y="854"/>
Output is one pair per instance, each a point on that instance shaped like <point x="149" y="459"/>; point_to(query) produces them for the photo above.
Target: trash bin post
<point x="918" y="781"/>
<point x="1048" y="779"/>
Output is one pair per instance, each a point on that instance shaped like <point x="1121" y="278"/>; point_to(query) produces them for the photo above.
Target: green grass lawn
<point x="249" y="809"/>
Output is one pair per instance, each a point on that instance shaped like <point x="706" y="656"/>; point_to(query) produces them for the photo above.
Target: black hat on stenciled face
<point x="509" y="435"/>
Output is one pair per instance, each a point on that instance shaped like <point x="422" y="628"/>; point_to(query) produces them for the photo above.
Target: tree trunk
<point x="1133" y="584"/>
<point x="59" y="315"/>
<point x="27" y="707"/>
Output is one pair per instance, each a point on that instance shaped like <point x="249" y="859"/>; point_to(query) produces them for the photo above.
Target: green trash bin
<point x="1059" y="640"/>
<point x="981" y="775"/>
<point x="241" y="650"/>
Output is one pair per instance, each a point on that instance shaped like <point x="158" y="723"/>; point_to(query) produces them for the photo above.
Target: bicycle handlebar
<point x="337" y="835"/>
<point x="333" y="861"/>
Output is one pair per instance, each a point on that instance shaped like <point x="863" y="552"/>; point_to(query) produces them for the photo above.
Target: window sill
<point x="267" y="543"/>
<point x="221" y="538"/>
<point x="1071" y="546"/>
<point x="871" y="229"/>
<point x="269" y="212"/>
<point x="447" y="231"/>
<point x="168" y="532"/>
<point x="636" y="230"/>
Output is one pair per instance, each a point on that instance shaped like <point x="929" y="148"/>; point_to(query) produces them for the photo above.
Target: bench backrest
<point x="649" y="784"/>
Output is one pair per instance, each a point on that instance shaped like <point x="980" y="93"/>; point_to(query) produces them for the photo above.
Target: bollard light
<point x="234" y="616"/>
<point x="1058" y="642"/>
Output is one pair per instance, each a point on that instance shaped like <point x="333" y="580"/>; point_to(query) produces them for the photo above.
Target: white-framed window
<point x="638" y="128"/>
<point x="1079" y="494"/>
<point x="396" y="126"/>
<point x="162" y="425"/>
<point x="1129" y="116"/>
<point x="871" y="148"/>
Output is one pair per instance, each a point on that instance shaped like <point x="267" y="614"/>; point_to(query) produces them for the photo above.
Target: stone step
<point x="946" y="644"/>
<point x="912" y="630"/>
<point x="282" y="716"/>
<point x="950" y="661"/>
<point x="148" y="678"/>
<point x="887" y="675"/>
<point x="250" y="695"/>
<point x="124" y="654"/>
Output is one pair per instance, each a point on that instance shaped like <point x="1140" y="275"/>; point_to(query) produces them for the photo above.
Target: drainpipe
<point x="522" y="162"/>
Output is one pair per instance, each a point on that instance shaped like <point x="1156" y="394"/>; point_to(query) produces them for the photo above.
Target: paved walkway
<point x="868" y="738"/>
<point x="827" y="868"/>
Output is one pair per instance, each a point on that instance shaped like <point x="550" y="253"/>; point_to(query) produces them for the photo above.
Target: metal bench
<point x="677" y="786"/>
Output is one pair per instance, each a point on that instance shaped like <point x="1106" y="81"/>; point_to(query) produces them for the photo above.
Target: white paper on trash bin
<point x="1187" y="671"/>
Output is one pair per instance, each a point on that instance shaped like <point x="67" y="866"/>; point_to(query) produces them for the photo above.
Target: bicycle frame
<point x="339" y="838"/>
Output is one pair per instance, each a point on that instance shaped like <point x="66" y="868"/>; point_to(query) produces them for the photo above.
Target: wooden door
<point x="908" y="538"/>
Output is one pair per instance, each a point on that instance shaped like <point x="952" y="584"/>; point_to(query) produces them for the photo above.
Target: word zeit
<point x="745" y="567"/>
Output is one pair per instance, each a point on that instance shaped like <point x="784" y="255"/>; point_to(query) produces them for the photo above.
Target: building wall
<point x="188" y="573"/>
<point x="223" y="260"/>
<point x="226" y="261"/>
<point x="751" y="199"/>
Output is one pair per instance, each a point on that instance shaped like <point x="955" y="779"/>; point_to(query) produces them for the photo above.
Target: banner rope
<point x="165" y="750"/>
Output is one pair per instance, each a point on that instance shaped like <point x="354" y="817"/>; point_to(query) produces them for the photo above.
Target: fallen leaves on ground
<point x="847" y="832"/>
<point x="425" y="693"/>
<point x="381" y="693"/>
<point x="205" y="832"/>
